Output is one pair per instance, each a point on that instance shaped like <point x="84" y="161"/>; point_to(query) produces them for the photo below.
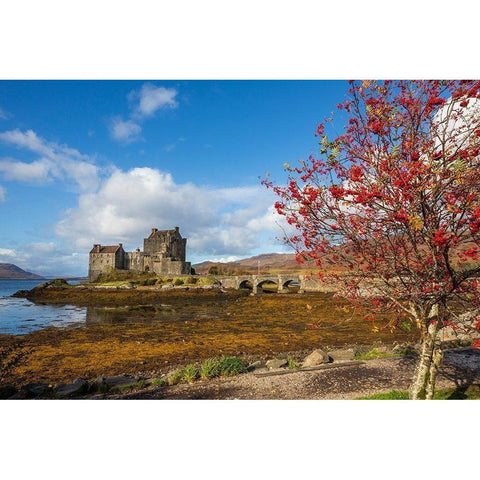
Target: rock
<point x="105" y="383"/>
<point x="167" y="287"/>
<point x="382" y="349"/>
<point x="317" y="357"/>
<point x="276" y="363"/>
<point x="77" y="387"/>
<point x="21" y="293"/>
<point x="33" y="390"/>
<point x="256" y="365"/>
<point x="7" y="391"/>
<point x="342" y="355"/>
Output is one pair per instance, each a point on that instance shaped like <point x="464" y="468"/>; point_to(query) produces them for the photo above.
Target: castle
<point x="163" y="253"/>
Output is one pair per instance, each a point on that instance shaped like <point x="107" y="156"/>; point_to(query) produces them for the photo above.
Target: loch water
<point x="20" y="316"/>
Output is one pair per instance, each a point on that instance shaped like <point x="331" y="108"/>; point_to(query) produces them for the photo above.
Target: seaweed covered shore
<point x="165" y="328"/>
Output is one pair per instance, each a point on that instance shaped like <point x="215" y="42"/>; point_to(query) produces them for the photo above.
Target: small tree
<point x="213" y="270"/>
<point x="392" y="205"/>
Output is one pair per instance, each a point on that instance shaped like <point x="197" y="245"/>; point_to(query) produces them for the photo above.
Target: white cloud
<point x="144" y="103"/>
<point x="7" y="252"/>
<point x="124" y="131"/>
<point x="3" y="115"/>
<point x="217" y="222"/>
<point x="151" y="98"/>
<point x="56" y="162"/>
<point x="25" y="172"/>
<point x="3" y="194"/>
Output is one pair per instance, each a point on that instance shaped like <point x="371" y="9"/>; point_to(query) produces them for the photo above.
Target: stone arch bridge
<point x="256" y="281"/>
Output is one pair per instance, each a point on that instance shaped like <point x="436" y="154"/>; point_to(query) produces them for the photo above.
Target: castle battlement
<point x="164" y="253"/>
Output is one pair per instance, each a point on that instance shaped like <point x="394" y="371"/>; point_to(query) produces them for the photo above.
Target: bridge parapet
<point x="256" y="281"/>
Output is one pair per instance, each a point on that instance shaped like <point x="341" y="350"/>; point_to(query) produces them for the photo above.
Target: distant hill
<point x="265" y="263"/>
<point x="9" y="271"/>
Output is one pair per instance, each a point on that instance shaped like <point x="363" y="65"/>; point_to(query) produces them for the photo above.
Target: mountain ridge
<point x="9" y="271"/>
<point x="263" y="262"/>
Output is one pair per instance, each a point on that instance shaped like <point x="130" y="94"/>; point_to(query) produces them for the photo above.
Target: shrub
<point x="232" y="366"/>
<point x="191" y="280"/>
<point x="293" y="364"/>
<point x="175" y="378"/>
<point x="178" y="281"/>
<point x="210" y="368"/>
<point x="158" y="382"/>
<point x="149" y="281"/>
<point x="190" y="373"/>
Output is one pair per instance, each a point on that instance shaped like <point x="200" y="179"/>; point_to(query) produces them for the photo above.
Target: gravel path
<point x="460" y="368"/>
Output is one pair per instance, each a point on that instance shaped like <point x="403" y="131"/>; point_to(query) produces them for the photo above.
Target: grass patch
<point x="178" y="281"/>
<point x="158" y="382"/>
<point x="175" y="377"/>
<point x="393" y="395"/>
<point x="371" y="354"/>
<point x="190" y="373"/>
<point x="471" y="392"/>
<point x="210" y="368"/>
<point x="292" y="364"/>
<point x="232" y="366"/>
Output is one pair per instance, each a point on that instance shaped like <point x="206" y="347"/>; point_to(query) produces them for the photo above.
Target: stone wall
<point x="134" y="261"/>
<point x="167" y="266"/>
<point x="100" y="263"/>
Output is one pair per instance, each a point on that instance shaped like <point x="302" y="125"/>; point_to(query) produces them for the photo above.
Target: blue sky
<point x="104" y="161"/>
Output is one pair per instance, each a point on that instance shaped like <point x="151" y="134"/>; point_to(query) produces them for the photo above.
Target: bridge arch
<point x="246" y="283"/>
<point x="268" y="285"/>
<point x="291" y="283"/>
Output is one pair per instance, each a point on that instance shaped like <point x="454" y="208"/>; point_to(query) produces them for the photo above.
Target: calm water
<point x="20" y="316"/>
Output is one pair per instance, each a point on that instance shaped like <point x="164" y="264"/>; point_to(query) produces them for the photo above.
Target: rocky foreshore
<point x="329" y="367"/>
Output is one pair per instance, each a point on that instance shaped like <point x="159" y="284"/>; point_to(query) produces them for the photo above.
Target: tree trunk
<point x="437" y="359"/>
<point x="431" y="356"/>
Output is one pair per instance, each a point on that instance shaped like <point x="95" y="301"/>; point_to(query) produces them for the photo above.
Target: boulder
<point x="77" y="387"/>
<point x="276" y="363"/>
<point x="103" y="383"/>
<point x="21" y="293"/>
<point x="317" y="357"/>
<point x="7" y="391"/>
<point x="33" y="390"/>
<point x="342" y="355"/>
<point x="256" y="365"/>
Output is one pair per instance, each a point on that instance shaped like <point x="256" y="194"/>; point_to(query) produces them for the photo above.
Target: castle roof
<point x="160" y="233"/>
<point x="106" y="249"/>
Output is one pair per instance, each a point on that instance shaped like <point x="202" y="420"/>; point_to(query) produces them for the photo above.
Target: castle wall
<point x="100" y="263"/>
<point x="166" y="266"/>
<point x="120" y="258"/>
<point x="134" y="261"/>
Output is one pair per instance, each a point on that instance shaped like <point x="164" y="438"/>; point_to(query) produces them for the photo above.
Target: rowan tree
<point x="392" y="204"/>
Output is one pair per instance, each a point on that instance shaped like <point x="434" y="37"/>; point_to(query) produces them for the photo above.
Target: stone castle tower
<point x="163" y="253"/>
